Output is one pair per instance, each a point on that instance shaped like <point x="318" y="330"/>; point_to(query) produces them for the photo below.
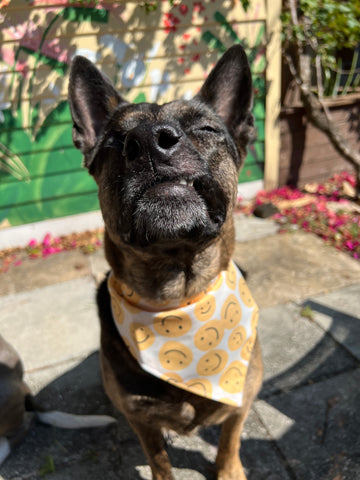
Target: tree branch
<point x="316" y="112"/>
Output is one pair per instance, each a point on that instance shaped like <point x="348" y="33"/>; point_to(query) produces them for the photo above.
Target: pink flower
<point x="348" y="244"/>
<point x="47" y="240"/>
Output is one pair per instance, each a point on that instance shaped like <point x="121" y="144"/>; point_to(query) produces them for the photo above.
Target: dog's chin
<point x="172" y="213"/>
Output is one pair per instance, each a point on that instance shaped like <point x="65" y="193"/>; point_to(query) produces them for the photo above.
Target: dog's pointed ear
<point x="92" y="99"/>
<point x="228" y="91"/>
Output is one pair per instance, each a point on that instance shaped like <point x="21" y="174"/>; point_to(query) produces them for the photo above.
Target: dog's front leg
<point x="152" y="442"/>
<point x="228" y="459"/>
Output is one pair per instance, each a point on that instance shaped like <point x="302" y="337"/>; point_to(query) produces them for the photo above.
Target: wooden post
<point x="273" y="94"/>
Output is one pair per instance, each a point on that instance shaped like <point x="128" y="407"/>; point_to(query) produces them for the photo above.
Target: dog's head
<point x="166" y="174"/>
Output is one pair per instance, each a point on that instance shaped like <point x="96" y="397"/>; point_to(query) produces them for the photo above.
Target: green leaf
<point x="307" y="312"/>
<point x="11" y="163"/>
<point x="47" y="467"/>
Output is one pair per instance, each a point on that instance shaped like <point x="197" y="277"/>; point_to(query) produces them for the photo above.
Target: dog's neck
<point x="174" y="275"/>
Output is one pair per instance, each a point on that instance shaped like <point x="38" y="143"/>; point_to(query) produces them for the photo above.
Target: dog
<point x="19" y="410"/>
<point x="167" y="185"/>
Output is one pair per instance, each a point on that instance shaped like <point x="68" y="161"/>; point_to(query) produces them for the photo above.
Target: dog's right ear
<point x="228" y="91"/>
<point x="92" y="99"/>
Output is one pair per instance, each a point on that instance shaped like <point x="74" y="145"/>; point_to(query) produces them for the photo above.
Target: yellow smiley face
<point x="142" y="335"/>
<point x="231" y="312"/>
<point x="175" y="356"/>
<point x="233" y="378"/>
<point x="172" y="323"/>
<point x="205" y="308"/>
<point x="247" y="349"/>
<point x="237" y="338"/>
<point x="212" y="362"/>
<point x="245" y="293"/>
<point x="172" y="377"/>
<point x="209" y="335"/>
<point x="200" y="386"/>
<point x="230" y="276"/>
<point x="130" y="294"/>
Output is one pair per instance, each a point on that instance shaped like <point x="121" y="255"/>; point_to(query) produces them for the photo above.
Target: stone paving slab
<point x="293" y="266"/>
<point x="339" y="315"/>
<point x="317" y="427"/>
<point x="252" y="228"/>
<point x="53" y="324"/>
<point x="296" y="351"/>
<point x="39" y="272"/>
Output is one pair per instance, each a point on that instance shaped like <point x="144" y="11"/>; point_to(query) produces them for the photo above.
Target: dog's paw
<point x="187" y="412"/>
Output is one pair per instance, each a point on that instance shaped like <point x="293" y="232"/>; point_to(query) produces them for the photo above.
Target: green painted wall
<point x="156" y="56"/>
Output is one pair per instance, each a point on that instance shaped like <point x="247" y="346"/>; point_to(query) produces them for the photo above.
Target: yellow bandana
<point x="203" y="345"/>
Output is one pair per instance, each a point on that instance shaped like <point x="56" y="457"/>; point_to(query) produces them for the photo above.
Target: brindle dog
<point x="167" y="180"/>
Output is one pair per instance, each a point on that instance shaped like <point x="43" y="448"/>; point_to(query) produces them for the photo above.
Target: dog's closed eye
<point x="114" y="140"/>
<point x="208" y="128"/>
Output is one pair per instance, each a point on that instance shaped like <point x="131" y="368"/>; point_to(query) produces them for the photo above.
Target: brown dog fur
<point x="165" y="249"/>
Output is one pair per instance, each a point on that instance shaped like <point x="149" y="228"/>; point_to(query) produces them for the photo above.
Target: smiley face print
<point x="130" y="294"/>
<point x="201" y="386"/>
<point x="209" y="335"/>
<point x="245" y="293"/>
<point x="237" y="338"/>
<point x="142" y="335"/>
<point x="231" y="312"/>
<point x="172" y="377"/>
<point x="233" y="378"/>
<point x="172" y="323"/>
<point x="205" y="308"/>
<point x="248" y="347"/>
<point x="175" y="356"/>
<point x="212" y="362"/>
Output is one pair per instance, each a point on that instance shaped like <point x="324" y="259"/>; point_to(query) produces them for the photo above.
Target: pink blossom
<point x="47" y="240"/>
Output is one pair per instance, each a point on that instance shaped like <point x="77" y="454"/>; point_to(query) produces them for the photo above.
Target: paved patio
<point x="305" y="424"/>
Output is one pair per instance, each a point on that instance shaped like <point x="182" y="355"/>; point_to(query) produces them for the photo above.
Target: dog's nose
<point x="158" y="140"/>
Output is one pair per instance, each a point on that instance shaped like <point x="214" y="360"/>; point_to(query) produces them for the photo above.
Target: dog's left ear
<point x="92" y="99"/>
<point x="228" y="90"/>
